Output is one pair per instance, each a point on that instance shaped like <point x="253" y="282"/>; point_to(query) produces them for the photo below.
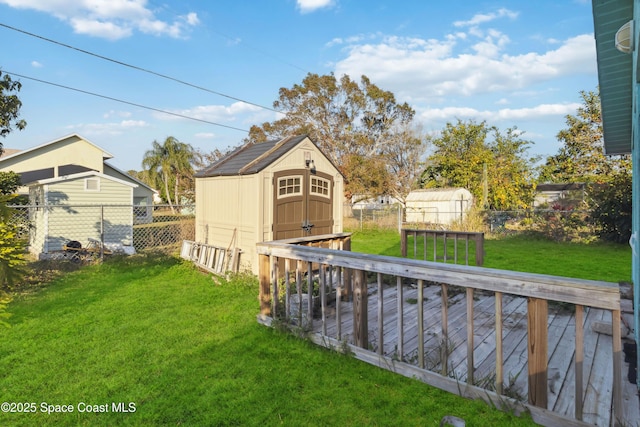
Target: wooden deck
<point x="527" y="342"/>
<point x="561" y="344"/>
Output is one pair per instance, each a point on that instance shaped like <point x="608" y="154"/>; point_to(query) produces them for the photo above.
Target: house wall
<point x="71" y="212"/>
<point x="72" y="150"/>
<point x="142" y="195"/>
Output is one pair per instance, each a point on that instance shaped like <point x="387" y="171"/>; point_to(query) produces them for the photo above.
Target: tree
<point x="9" y="182"/>
<point x="168" y="166"/>
<point x="403" y="156"/>
<point x="11" y="244"/>
<point x="462" y="155"/>
<point x="611" y="207"/>
<point x="10" y="106"/>
<point x="581" y="157"/>
<point x="352" y="123"/>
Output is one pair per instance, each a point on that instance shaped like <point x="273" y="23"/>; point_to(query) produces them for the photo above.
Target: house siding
<point x="69" y="212"/>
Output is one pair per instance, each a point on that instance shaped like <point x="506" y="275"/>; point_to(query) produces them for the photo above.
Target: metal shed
<point x="268" y="191"/>
<point x="438" y="205"/>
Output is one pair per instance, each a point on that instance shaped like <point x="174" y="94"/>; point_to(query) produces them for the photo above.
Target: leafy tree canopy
<point x="9" y="106"/>
<point x="581" y="157"/>
<point x="354" y="123"/>
<point x="476" y="156"/>
<point x="168" y="166"/>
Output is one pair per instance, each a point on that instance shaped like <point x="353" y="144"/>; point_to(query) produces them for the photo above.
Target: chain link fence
<point x="112" y="228"/>
<point x="555" y="224"/>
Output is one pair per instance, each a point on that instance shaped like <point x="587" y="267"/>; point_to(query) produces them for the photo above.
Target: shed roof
<point x="251" y="158"/>
<point x="438" y="195"/>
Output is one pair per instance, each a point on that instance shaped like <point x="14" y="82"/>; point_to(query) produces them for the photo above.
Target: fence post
<point x="360" y="308"/>
<point x="101" y="232"/>
<point x="537" y="315"/>
<point x="264" y="273"/>
<point x="479" y="249"/>
<point x="403" y="242"/>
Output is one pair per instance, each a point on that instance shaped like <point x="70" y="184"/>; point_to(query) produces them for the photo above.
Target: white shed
<point x="268" y="191"/>
<point x="82" y="207"/>
<point x="438" y="205"/>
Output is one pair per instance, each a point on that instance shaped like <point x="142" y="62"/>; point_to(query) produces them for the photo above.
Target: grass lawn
<point x="154" y="335"/>
<point x="597" y="261"/>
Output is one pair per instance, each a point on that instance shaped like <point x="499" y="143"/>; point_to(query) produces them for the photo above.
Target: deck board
<point x="598" y="376"/>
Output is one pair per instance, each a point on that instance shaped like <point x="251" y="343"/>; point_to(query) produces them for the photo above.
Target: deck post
<point x="537" y="315"/>
<point x="264" y="273"/>
<point x="360" y="307"/>
<point x="403" y="242"/>
<point x="479" y="249"/>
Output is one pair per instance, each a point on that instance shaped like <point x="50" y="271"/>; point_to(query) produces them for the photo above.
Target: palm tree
<point x="166" y="163"/>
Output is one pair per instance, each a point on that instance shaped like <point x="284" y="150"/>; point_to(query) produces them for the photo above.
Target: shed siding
<point x="226" y="204"/>
<point x="244" y="203"/>
<point x="70" y="212"/>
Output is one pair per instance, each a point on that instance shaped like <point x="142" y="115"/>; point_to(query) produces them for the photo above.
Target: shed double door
<point x="303" y="204"/>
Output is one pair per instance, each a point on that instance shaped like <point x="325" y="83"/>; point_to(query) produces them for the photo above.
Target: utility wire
<point x="125" y="102"/>
<point x="164" y="76"/>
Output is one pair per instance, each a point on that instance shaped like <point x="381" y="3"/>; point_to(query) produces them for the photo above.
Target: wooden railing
<point x="288" y="263"/>
<point x="444" y="246"/>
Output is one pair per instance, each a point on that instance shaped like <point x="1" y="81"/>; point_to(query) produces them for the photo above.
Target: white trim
<point x="123" y="173"/>
<point x="320" y="184"/>
<point x="299" y="184"/>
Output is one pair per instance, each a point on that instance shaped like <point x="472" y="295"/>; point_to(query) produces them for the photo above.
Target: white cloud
<point x="215" y="113"/>
<point x="114" y="113"/>
<point x="113" y="128"/>
<point x="36" y="64"/>
<point x="482" y="18"/>
<point x="205" y="135"/>
<point x="109" y="19"/>
<point x="419" y="69"/>
<point x="307" y="6"/>
<point x="440" y="115"/>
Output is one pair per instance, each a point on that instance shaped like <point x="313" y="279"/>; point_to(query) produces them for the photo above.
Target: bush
<point x="611" y="208"/>
<point x="12" y="246"/>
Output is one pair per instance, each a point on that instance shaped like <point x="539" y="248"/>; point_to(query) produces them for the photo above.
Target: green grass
<point x="184" y="350"/>
<point x="596" y="261"/>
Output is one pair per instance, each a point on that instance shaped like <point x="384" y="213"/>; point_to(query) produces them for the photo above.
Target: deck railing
<point x="440" y="245"/>
<point x="288" y="265"/>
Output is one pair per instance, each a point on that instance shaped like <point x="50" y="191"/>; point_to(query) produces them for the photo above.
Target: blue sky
<point x="511" y="63"/>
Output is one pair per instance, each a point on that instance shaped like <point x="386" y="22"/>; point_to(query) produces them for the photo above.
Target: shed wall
<point x="226" y="204"/>
<point x="69" y="212"/>
<point x="245" y="203"/>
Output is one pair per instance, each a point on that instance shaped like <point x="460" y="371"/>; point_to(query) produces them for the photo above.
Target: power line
<point x="125" y="102"/>
<point x="124" y="64"/>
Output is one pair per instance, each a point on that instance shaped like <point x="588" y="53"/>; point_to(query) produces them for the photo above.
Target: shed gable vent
<point x="92" y="184"/>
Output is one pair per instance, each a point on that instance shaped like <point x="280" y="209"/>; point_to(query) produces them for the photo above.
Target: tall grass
<point x="182" y="349"/>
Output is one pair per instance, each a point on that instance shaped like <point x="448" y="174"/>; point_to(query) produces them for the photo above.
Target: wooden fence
<point x="287" y="262"/>
<point x="444" y="246"/>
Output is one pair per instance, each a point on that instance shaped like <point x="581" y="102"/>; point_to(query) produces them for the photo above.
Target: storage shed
<point x="268" y="191"/>
<point x="82" y="207"/>
<point x="438" y="205"/>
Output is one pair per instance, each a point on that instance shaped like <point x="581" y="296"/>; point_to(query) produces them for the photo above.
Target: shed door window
<point x="92" y="184"/>
<point x="320" y="186"/>
<point x="289" y="186"/>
